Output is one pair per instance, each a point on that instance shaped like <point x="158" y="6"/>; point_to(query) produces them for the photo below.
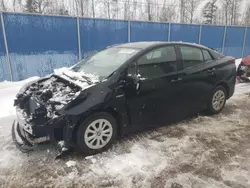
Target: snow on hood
<point x="82" y="79"/>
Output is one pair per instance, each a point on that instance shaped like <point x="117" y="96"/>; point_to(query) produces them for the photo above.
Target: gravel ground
<point x="203" y="151"/>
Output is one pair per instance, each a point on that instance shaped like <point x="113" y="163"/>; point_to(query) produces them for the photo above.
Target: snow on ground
<point x="8" y="91"/>
<point x="202" y="151"/>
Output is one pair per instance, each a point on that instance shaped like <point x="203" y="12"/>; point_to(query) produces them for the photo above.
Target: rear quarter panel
<point x="226" y="73"/>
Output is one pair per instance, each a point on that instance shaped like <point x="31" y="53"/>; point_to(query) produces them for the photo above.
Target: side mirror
<point x="133" y="79"/>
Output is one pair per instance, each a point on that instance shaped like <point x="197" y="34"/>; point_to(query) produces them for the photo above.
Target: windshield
<point x="105" y="62"/>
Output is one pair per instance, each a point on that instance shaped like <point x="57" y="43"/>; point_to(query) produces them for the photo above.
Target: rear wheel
<point x="96" y="133"/>
<point x="217" y="100"/>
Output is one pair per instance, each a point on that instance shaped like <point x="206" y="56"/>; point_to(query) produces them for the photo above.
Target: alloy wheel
<point x="98" y="134"/>
<point x="218" y="100"/>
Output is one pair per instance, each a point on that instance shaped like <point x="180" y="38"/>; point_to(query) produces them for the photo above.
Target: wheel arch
<point x="110" y="110"/>
<point x="225" y="85"/>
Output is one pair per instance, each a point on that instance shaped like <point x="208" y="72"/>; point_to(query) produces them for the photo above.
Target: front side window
<point x="157" y="62"/>
<point x="191" y="56"/>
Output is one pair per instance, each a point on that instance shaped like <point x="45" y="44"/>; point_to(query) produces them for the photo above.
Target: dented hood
<point x="81" y="79"/>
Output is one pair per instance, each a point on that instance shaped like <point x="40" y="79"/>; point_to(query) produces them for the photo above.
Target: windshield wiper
<point x="88" y="80"/>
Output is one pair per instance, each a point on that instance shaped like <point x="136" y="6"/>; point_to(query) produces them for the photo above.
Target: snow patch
<point x="8" y="91"/>
<point x="89" y="157"/>
<point x="73" y="175"/>
<point x="70" y="163"/>
<point x="7" y="84"/>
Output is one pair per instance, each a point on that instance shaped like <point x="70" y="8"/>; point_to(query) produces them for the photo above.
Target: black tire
<point x="211" y="109"/>
<point x="80" y="134"/>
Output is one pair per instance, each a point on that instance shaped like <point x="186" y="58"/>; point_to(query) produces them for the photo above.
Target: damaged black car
<point x="119" y="90"/>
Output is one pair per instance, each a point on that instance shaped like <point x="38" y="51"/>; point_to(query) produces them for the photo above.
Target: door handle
<point x="211" y="71"/>
<point x="176" y="80"/>
<point x="121" y="83"/>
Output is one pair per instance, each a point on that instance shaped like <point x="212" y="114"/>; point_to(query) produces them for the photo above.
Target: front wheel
<point x="96" y="133"/>
<point x="217" y="100"/>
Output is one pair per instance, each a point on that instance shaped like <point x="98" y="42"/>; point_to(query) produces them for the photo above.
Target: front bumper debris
<point x="19" y="140"/>
<point x="23" y="140"/>
<point x="26" y="135"/>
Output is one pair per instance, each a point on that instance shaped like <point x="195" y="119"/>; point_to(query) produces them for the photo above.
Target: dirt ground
<point x="204" y="151"/>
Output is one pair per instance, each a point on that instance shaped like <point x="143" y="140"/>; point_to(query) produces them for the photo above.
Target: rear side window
<point x="207" y="56"/>
<point x="191" y="56"/>
<point x="216" y="55"/>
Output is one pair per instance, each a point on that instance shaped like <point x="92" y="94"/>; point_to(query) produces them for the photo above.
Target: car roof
<point x="150" y="44"/>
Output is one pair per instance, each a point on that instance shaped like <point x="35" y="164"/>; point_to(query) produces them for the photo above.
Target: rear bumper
<point x="231" y="91"/>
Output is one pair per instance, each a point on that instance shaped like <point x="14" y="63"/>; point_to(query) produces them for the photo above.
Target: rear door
<point x="197" y="78"/>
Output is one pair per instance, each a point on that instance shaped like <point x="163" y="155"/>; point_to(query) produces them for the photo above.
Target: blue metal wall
<point x="247" y="43"/>
<point x="234" y="41"/>
<point x="97" y="34"/>
<point x="212" y="36"/>
<point x="35" y="43"/>
<point x="148" y="31"/>
<point x="38" y="44"/>
<point x="4" y="70"/>
<point x="185" y="33"/>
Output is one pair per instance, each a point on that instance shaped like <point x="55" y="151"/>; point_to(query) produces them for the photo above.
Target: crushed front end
<point x="38" y="108"/>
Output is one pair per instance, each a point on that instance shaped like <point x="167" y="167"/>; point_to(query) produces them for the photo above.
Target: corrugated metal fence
<point x="33" y="45"/>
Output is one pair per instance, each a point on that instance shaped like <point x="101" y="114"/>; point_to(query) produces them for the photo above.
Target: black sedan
<point x="122" y="89"/>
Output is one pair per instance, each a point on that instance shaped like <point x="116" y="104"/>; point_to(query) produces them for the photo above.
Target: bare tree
<point x="182" y="10"/>
<point x="226" y="8"/>
<point x="168" y="13"/>
<point x="29" y="6"/>
<point x="246" y="17"/>
<point x="107" y="7"/>
<point x="236" y="11"/>
<point x="93" y="8"/>
<point x="14" y="5"/>
<point x="219" y="19"/>
<point x="126" y="6"/>
<point x="231" y="10"/>
<point x="2" y="5"/>
<point x="134" y="10"/>
<point x="191" y="7"/>
<point x="43" y="5"/>
<point x="36" y="6"/>
<point x="81" y="7"/>
<point x="59" y="9"/>
<point x="115" y="9"/>
<point x="149" y="10"/>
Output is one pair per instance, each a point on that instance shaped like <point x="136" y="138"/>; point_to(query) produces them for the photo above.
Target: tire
<point x="219" y="94"/>
<point x="91" y="138"/>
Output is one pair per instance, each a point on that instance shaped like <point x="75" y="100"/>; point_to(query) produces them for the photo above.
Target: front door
<point x="154" y="97"/>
